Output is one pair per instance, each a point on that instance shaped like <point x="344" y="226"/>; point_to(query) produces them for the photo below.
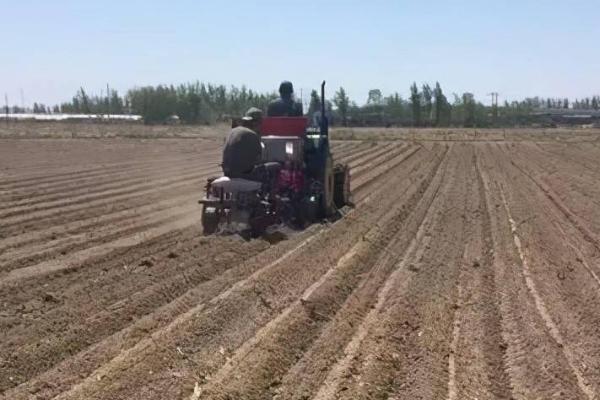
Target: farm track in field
<point x="465" y="271"/>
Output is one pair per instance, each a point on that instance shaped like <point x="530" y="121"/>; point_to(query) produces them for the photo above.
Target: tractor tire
<point x="210" y="220"/>
<point x="341" y="193"/>
<point x="327" y="199"/>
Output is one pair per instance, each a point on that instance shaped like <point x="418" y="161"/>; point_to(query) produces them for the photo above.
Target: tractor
<point x="302" y="185"/>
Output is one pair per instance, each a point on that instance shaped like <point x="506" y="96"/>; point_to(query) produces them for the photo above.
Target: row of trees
<point x="429" y="106"/>
<point x="587" y="103"/>
<point x="194" y="102"/>
<point x="83" y="103"/>
<point x="426" y="105"/>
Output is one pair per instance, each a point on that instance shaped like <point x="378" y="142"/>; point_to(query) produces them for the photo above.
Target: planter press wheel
<point x="341" y="193"/>
<point x="210" y="220"/>
<point x="327" y="199"/>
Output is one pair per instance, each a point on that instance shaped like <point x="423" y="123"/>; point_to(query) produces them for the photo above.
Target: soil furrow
<point x="371" y="148"/>
<point x="349" y="150"/>
<point x="71" y="247"/>
<point x="359" y="149"/>
<point x="92" y="197"/>
<point x="555" y="199"/>
<point x="543" y="310"/>
<point x="87" y="226"/>
<point x="466" y="270"/>
<point x="73" y="212"/>
<point x="106" y="182"/>
<point x="366" y="165"/>
<point x="244" y="296"/>
<point x="300" y="381"/>
<point x="59" y="239"/>
<point x="345" y="294"/>
<point x="570" y="154"/>
<point x="73" y="260"/>
<point x="535" y="362"/>
<point x="405" y="351"/>
<point x="88" y="202"/>
<point x="566" y="288"/>
<point x="53" y="175"/>
<point x="383" y="149"/>
<point x="365" y="182"/>
<point x="476" y="360"/>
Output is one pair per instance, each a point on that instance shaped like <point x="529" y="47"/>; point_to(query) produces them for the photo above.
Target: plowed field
<point x="467" y="270"/>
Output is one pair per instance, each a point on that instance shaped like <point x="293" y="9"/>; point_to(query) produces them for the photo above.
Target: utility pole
<point x="107" y="103"/>
<point x="22" y="101"/>
<point x="6" y="106"/>
<point x="494" y="106"/>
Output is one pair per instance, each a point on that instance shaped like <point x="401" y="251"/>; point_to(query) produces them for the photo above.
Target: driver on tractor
<point x="242" y="154"/>
<point x="285" y="105"/>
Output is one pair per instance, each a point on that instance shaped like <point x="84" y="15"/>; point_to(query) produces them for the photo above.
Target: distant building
<point x="71" y="117"/>
<point x="565" y="116"/>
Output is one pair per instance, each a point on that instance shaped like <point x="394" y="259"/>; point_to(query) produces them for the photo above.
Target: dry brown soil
<point x="469" y="269"/>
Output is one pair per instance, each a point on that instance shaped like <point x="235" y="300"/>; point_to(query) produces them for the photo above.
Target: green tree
<point x="315" y="103"/>
<point x="342" y="102"/>
<point x="415" y="104"/>
<point x="375" y="97"/>
<point x="442" y="108"/>
<point x="84" y="101"/>
<point x="427" y="103"/>
<point x="115" y="103"/>
<point x="468" y="101"/>
<point x="395" y="108"/>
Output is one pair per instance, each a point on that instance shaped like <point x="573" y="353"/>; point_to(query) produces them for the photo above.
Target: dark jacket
<point x="284" y="108"/>
<point x="242" y="152"/>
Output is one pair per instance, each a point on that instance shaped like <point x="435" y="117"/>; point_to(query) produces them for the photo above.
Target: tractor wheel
<point x="341" y="193"/>
<point x="210" y="220"/>
<point x="327" y="199"/>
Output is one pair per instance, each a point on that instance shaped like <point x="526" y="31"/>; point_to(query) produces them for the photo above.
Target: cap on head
<point x="286" y="88"/>
<point x="253" y="114"/>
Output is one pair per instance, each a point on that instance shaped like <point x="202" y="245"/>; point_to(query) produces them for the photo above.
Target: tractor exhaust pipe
<point x="324" y="121"/>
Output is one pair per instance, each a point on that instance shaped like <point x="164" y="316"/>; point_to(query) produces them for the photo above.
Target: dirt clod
<point x="146" y="263"/>
<point x="50" y="297"/>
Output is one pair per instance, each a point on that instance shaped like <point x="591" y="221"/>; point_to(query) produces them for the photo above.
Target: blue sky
<point x="517" y="48"/>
